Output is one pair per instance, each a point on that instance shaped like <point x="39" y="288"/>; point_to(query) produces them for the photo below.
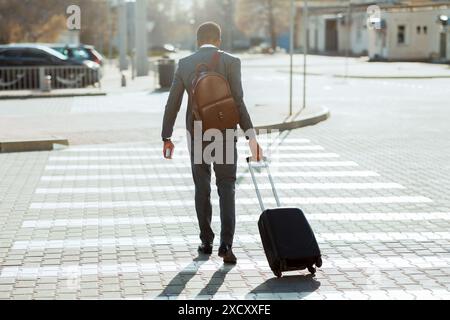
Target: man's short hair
<point x="208" y="31"/>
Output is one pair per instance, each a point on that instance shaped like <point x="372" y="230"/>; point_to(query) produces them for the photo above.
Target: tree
<point x="25" y="21"/>
<point x="45" y="20"/>
<point x="271" y="16"/>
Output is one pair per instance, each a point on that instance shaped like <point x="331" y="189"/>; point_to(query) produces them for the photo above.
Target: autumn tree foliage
<point x="44" y="20"/>
<point x="25" y="21"/>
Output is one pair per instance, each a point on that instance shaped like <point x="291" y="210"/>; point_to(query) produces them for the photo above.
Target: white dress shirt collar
<point x="208" y="46"/>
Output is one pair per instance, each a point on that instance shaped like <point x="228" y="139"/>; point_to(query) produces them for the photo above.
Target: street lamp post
<point x="123" y="35"/>
<point x="349" y="35"/>
<point x="291" y="55"/>
<point x="110" y="32"/>
<point x="141" y="38"/>
<point x="229" y="23"/>
<point x="305" y="49"/>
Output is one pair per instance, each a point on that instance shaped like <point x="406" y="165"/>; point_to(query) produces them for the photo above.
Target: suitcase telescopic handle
<point x="272" y="184"/>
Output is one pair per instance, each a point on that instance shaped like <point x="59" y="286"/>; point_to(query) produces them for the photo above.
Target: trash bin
<point x="166" y="71"/>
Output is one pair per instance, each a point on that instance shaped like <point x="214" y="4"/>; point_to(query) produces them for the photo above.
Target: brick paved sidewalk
<point x="117" y="221"/>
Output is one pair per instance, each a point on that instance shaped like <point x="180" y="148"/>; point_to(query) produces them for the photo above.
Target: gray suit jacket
<point x="229" y="66"/>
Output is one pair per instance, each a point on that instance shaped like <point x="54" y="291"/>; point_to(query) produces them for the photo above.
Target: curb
<point x="370" y="77"/>
<point x="62" y="95"/>
<point x="311" y="120"/>
<point x="32" y="145"/>
<point x="390" y="77"/>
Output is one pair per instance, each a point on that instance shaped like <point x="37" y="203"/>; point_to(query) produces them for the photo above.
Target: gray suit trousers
<point x="225" y="182"/>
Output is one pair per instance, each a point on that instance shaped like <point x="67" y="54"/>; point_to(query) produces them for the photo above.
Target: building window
<point x="418" y="29"/>
<point x="425" y="29"/>
<point x="401" y="34"/>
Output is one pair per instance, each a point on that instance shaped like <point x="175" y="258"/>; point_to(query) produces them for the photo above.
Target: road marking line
<point x="240" y="239"/>
<point x="156" y="157"/>
<point x="265" y="186"/>
<point x="367" y="294"/>
<point x="188" y="165"/>
<point x="102" y="269"/>
<point x="107" y="222"/>
<point x="245" y="201"/>
<point x="184" y="149"/>
<point x="189" y="175"/>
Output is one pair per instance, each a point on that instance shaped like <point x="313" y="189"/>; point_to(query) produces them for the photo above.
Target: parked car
<point x="79" y="52"/>
<point x="18" y="70"/>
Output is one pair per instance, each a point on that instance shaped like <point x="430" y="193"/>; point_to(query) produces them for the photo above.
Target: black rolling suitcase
<point x="287" y="237"/>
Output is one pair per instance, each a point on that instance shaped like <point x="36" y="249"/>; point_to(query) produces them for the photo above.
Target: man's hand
<point x="168" y="149"/>
<point x="257" y="152"/>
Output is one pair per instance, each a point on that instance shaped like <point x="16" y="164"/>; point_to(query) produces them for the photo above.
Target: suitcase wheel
<point x="319" y="262"/>
<point x="277" y="273"/>
<point x="312" y="270"/>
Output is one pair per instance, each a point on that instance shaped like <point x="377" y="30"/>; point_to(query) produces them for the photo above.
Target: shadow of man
<point x="302" y="285"/>
<point x="179" y="282"/>
<point x="216" y="281"/>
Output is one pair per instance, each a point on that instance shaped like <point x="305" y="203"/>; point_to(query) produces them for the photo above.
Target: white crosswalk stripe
<point x="265" y="186"/>
<point x="107" y="222"/>
<point x="105" y="269"/>
<point x="239" y="239"/>
<point x="252" y="201"/>
<point x="124" y="177"/>
<point x="188" y="165"/>
<point x="276" y="155"/>
<point x="183" y="149"/>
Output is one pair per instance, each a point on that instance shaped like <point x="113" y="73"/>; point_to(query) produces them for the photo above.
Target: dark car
<point x="79" y="52"/>
<point x="21" y="67"/>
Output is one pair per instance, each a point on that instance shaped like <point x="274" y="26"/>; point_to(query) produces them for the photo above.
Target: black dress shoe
<point x="227" y="254"/>
<point x="205" y="248"/>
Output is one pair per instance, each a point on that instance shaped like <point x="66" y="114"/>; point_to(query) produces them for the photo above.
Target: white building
<point x="411" y="33"/>
<point x="335" y="27"/>
<point x="386" y="31"/>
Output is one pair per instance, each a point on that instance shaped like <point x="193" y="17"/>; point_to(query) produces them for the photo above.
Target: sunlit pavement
<point x="116" y="221"/>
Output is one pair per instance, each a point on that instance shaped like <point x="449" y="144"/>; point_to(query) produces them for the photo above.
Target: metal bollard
<point x="47" y="83"/>
<point x="123" y="80"/>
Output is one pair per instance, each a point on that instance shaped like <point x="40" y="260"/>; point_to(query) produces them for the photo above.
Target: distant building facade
<point x="412" y="33"/>
<point x="390" y="30"/>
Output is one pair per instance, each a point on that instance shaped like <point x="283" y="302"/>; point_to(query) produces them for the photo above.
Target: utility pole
<point x="291" y="55"/>
<point x="230" y="24"/>
<point x="349" y="35"/>
<point x="110" y="30"/>
<point x="141" y="38"/>
<point x="305" y="48"/>
<point x="194" y="22"/>
<point x="123" y="33"/>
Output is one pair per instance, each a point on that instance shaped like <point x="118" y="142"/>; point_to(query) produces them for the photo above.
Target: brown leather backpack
<point x="212" y="101"/>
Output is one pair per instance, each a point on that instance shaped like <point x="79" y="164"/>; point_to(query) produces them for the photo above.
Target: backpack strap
<point x="214" y="61"/>
<point x="211" y="66"/>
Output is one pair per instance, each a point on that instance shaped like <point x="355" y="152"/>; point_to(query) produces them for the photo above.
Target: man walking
<point x="209" y="40"/>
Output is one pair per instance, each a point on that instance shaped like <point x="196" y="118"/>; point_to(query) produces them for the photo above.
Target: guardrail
<point x="45" y="78"/>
